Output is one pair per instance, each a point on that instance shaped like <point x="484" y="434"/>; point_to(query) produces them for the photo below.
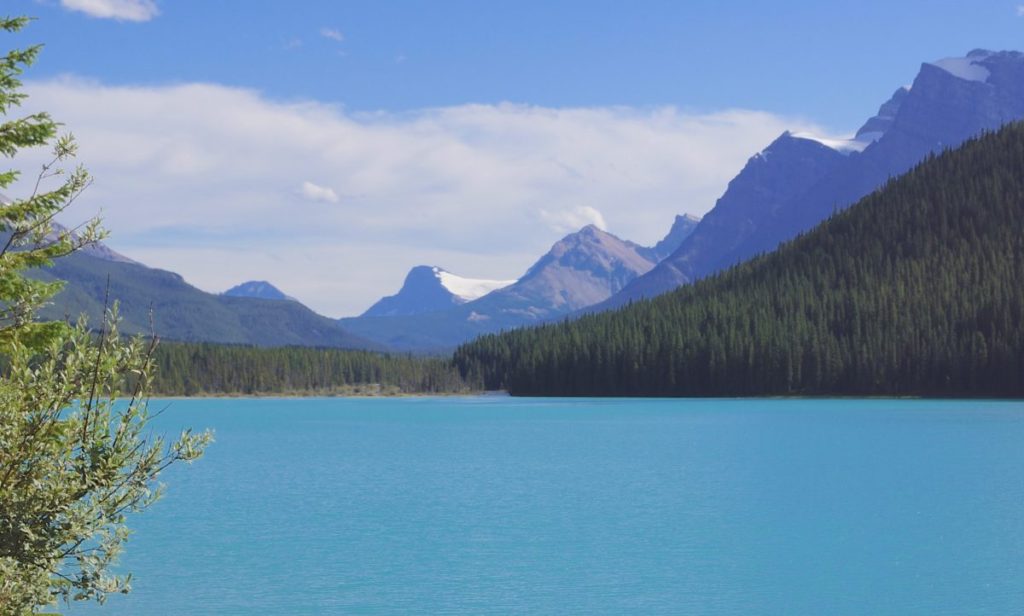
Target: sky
<point x="330" y="146"/>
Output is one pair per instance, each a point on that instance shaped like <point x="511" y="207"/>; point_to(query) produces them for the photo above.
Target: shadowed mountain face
<point x="798" y="181"/>
<point x="580" y="269"/>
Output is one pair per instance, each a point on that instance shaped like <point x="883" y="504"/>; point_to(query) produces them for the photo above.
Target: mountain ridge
<point x="761" y="207"/>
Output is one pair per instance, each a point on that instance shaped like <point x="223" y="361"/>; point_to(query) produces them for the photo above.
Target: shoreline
<point x="503" y="394"/>
<point x="295" y="396"/>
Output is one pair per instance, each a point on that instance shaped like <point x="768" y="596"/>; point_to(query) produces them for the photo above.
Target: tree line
<point x="187" y="369"/>
<point x="915" y="290"/>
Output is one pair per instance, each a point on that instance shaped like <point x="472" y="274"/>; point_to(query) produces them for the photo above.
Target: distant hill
<point x="259" y="289"/>
<point x="916" y="290"/>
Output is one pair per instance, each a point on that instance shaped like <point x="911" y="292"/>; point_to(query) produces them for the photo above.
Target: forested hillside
<point x="917" y="289"/>
<point x="195" y="369"/>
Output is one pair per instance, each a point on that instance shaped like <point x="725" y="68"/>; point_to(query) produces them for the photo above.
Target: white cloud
<point x="122" y="10"/>
<point x="188" y="171"/>
<point x="315" y="192"/>
<point x="572" y="219"/>
<point x="1020" y="10"/>
<point x="333" y="34"/>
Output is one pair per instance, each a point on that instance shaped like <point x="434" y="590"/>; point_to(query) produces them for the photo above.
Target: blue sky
<point x="831" y="61"/>
<point x="329" y="146"/>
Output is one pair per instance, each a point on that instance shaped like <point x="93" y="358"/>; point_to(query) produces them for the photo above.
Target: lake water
<point x="508" y="506"/>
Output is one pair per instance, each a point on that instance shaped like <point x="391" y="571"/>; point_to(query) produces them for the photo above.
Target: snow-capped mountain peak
<point x="429" y="288"/>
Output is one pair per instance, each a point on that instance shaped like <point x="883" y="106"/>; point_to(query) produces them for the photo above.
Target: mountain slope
<point x="915" y="290"/>
<point x="580" y="269"/>
<point x="430" y="289"/>
<point x="183" y="312"/>
<point x="799" y="180"/>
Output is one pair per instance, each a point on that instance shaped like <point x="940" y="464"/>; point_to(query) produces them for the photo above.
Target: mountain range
<point x="793" y="184"/>
<point x="579" y="270"/>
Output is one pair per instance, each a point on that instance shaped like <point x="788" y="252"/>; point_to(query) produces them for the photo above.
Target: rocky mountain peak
<point x="593" y="251"/>
<point x="882" y="121"/>
<point x="682" y="227"/>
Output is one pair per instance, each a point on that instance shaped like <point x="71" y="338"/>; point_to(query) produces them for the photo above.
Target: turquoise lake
<point x="506" y="506"/>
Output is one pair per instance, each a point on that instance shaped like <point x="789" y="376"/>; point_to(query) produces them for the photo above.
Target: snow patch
<point x="843" y="146"/>
<point x="967" y="68"/>
<point x="468" y="288"/>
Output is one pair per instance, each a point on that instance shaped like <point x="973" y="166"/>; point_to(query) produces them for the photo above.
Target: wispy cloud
<point x="1020" y="10"/>
<point x="574" y="218"/>
<point x="192" y="172"/>
<point x="333" y="34"/>
<point x="315" y="192"/>
<point x="121" y="10"/>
